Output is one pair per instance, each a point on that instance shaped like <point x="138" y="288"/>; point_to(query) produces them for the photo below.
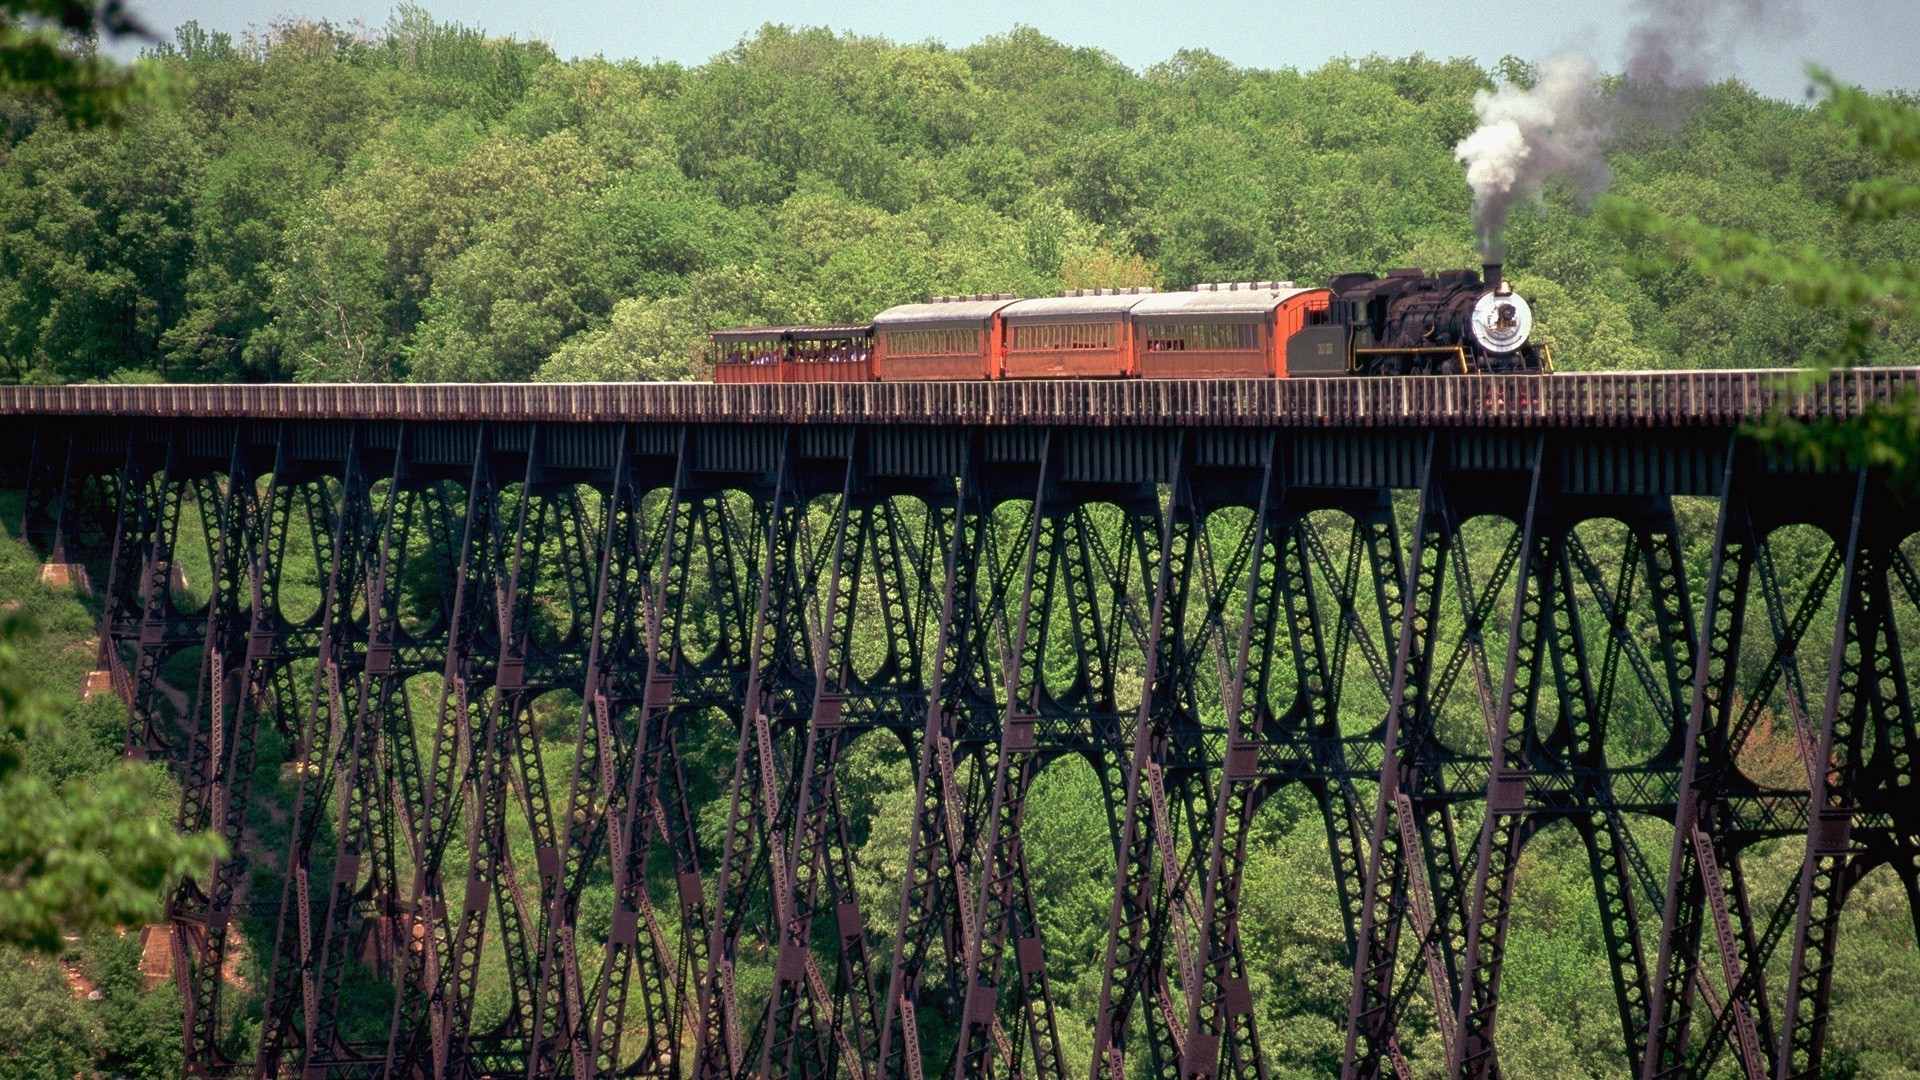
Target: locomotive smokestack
<point x="1492" y="276"/>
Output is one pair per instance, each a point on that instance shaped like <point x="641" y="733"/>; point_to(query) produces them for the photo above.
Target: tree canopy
<point x="426" y="202"/>
<point x="81" y="845"/>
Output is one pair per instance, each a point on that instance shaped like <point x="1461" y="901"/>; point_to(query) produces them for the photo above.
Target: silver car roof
<point x="1092" y="304"/>
<point x="1243" y="301"/>
<point x="941" y="314"/>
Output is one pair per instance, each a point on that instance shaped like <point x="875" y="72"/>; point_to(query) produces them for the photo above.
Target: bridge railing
<point x="1583" y="399"/>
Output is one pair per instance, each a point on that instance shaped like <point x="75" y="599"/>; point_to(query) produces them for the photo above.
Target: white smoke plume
<point x="1559" y="127"/>
<point x="1526" y="137"/>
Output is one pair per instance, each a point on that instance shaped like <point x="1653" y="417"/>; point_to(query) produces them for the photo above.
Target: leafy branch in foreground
<point x="89" y="854"/>
<point x="49" y="49"/>
<point x="1868" y="297"/>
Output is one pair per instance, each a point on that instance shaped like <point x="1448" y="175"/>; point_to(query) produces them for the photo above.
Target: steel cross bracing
<point x="541" y="748"/>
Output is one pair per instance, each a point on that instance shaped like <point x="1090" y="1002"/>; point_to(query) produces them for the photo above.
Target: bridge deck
<point x="1587" y="399"/>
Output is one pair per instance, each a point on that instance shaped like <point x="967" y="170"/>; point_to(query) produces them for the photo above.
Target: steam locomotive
<point x="1406" y="322"/>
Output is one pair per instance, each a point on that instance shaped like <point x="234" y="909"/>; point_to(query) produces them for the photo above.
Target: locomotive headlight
<point x="1501" y="323"/>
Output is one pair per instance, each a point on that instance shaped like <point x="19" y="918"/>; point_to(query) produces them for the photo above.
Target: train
<point x="1403" y="322"/>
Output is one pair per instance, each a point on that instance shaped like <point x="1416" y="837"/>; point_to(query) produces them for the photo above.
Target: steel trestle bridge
<point x="1448" y="613"/>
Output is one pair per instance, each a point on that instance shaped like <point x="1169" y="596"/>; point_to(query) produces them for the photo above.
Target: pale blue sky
<point x="1873" y="42"/>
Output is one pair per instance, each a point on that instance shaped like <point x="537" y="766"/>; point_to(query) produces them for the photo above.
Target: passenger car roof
<point x="742" y="335"/>
<point x="1170" y="307"/>
<point x="831" y="332"/>
<point x="745" y="335"/>
<point x="942" y="313"/>
<point x="1090" y="304"/>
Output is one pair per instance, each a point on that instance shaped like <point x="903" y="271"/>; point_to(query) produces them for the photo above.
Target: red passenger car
<point x="829" y="354"/>
<point x="1081" y="334"/>
<point x="1232" y="331"/>
<point x="793" y="354"/>
<point x="749" y="354"/>
<point x="947" y="338"/>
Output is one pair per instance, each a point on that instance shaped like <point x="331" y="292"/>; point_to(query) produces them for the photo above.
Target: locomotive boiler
<point x="1412" y="323"/>
<point x="1406" y="322"/>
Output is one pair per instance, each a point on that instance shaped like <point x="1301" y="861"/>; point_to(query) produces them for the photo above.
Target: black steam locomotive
<point x="1413" y="323"/>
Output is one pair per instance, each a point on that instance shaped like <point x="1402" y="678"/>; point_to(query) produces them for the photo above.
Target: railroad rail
<point x="1588" y="399"/>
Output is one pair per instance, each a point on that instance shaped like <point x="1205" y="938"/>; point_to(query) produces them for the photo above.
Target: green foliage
<point x="91" y="852"/>
<point x="86" y="1013"/>
<point x="1866" y="285"/>
<point x="1871" y="295"/>
<point x="142" y="1028"/>
<point x="663" y="339"/>
<point x="97" y="234"/>
<point x="1877" y="987"/>
<point x="87" y="843"/>
<point x="49" y="54"/>
<point x="45" y="1034"/>
<point x="423" y="201"/>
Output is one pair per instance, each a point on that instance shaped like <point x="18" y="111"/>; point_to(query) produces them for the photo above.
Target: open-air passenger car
<point x="829" y="354"/>
<point x="793" y="354"/>
<point x="749" y="354"/>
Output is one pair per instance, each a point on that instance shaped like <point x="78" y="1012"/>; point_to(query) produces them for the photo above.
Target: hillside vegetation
<point x="426" y="202"/>
<point x="429" y="203"/>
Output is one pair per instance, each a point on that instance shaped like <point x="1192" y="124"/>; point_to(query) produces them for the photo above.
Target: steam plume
<point x="1559" y="128"/>
<point x="1679" y="45"/>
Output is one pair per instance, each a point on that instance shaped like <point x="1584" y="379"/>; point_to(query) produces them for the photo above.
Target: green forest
<point x="426" y="202"/>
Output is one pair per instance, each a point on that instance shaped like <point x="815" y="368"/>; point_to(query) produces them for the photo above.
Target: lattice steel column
<point x="1218" y="1009"/>
<point x="1133" y="971"/>
<point x="212" y="796"/>
<point x="754" y="805"/>
<point x="296" y="966"/>
<point x="935" y="881"/>
<point x="1000" y="901"/>
<point x="1866" y="693"/>
<point x="1411" y="840"/>
<point x="802" y="1023"/>
<point x="359" y="692"/>
<point x="635" y="939"/>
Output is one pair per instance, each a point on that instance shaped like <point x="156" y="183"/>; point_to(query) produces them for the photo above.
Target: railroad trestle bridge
<point x="1447" y="613"/>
